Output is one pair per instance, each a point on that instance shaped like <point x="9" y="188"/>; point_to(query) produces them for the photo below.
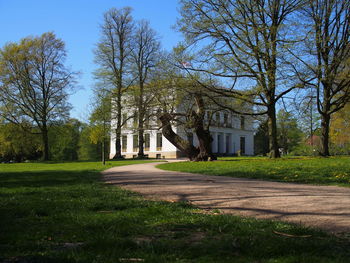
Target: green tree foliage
<point x="64" y="140"/>
<point x="35" y="83"/>
<point x="261" y="139"/>
<point x="340" y="131"/>
<point x="17" y="144"/>
<point x="87" y="149"/>
<point x="100" y="121"/>
<point x="289" y="134"/>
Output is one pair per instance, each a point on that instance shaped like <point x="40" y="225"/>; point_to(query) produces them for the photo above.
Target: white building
<point x="232" y="135"/>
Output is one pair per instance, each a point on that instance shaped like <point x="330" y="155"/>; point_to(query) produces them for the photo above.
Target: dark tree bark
<point x="272" y="132"/>
<point x="141" y="153"/>
<point x="325" y="134"/>
<point x="118" y="130"/>
<point x="203" y="134"/>
<point x="183" y="145"/>
<point x="44" y="133"/>
<point x="195" y="121"/>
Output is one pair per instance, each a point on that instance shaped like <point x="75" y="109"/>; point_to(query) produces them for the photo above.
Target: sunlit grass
<point x="312" y="170"/>
<point x="62" y="212"/>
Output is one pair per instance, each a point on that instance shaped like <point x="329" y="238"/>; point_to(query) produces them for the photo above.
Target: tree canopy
<point x="35" y="83"/>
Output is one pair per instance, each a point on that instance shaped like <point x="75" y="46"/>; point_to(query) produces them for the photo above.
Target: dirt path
<point x="327" y="207"/>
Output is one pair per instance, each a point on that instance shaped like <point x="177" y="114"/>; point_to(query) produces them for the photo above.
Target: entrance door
<point x="228" y="143"/>
<point x="220" y="143"/>
<point x="242" y="147"/>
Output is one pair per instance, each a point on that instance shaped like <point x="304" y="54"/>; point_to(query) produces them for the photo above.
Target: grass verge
<point x="64" y="213"/>
<point x="308" y="170"/>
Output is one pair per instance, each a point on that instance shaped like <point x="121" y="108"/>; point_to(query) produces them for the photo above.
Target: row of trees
<point x="295" y="137"/>
<point x="127" y="55"/>
<point x="70" y="140"/>
<point x="257" y="52"/>
<point x="242" y="56"/>
<point x="266" y="49"/>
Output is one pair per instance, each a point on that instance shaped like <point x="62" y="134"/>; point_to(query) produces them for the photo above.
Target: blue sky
<point x="77" y="23"/>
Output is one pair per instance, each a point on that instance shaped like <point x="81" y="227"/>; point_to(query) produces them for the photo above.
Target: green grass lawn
<point x="323" y="171"/>
<point x="62" y="212"/>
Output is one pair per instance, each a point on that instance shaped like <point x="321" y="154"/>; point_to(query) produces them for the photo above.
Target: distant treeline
<point x="71" y="140"/>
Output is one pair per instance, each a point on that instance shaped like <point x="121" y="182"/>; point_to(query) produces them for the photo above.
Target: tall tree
<point x="243" y="39"/>
<point x="35" y="83"/>
<point x="328" y="58"/>
<point x="289" y="134"/>
<point x="308" y="116"/>
<point x="113" y="55"/>
<point x="100" y="120"/>
<point x="145" y="53"/>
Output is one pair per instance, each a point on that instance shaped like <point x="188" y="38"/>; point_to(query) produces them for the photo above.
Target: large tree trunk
<point x="205" y="140"/>
<point x="325" y="117"/>
<point x="118" y="132"/>
<point x="203" y="135"/>
<point x="141" y="153"/>
<point x="141" y="112"/>
<point x="103" y="144"/>
<point x="184" y="146"/>
<point x="325" y="134"/>
<point x="272" y="131"/>
<point x="118" y="148"/>
<point x="45" y="138"/>
<point x="201" y="153"/>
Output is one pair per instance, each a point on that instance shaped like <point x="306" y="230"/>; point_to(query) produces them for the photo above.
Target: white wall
<point x="231" y="147"/>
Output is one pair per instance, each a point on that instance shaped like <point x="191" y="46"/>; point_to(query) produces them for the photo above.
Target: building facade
<point x="232" y="135"/>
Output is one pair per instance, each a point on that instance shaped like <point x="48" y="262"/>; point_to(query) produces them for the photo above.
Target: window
<point x="226" y="119"/>
<point x="229" y="120"/>
<point x="135" y="143"/>
<point x="217" y="118"/>
<point x="147" y="141"/>
<point x="242" y="122"/>
<point x="124" y="143"/>
<point x="208" y="115"/>
<point x="159" y="141"/>
<point x="228" y="143"/>
<point x="242" y="145"/>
